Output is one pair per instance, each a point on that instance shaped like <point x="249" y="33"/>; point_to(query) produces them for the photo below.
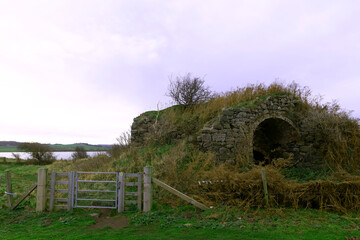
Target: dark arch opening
<point x="259" y="157"/>
<point x="273" y="138"/>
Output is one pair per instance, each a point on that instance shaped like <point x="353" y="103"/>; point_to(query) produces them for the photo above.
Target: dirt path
<point x="105" y="220"/>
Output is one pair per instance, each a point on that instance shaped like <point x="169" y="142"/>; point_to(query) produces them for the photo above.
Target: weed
<point x="306" y="174"/>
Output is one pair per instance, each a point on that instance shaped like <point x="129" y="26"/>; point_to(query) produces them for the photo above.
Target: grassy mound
<point x="180" y="163"/>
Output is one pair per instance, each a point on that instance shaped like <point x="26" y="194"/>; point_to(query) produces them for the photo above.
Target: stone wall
<point x="142" y="126"/>
<point x="260" y="130"/>
<point x="241" y="131"/>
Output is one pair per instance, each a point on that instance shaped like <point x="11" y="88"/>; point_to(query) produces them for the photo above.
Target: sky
<point x="81" y="70"/>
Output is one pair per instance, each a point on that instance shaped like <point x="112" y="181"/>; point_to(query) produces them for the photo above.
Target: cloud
<point x="85" y="69"/>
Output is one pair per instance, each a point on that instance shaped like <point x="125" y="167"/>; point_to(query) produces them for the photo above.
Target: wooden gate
<point x="130" y="191"/>
<point x="60" y="194"/>
<point x="114" y="190"/>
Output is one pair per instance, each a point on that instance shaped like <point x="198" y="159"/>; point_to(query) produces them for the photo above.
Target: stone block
<point x="224" y="151"/>
<point x="226" y="126"/>
<point x="206" y="130"/>
<point x="305" y="149"/>
<point x="228" y="112"/>
<point x="206" y="137"/>
<point x="219" y="137"/>
<point x="223" y="119"/>
<point x="309" y="138"/>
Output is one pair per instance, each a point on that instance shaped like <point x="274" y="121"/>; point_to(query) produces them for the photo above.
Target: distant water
<point x="58" y="155"/>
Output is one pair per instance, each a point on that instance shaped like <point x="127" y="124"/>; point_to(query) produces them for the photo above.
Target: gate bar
<point x="105" y="191"/>
<point x="96" y="181"/>
<point x="96" y="200"/>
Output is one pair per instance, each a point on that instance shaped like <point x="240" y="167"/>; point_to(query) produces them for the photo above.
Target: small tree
<point x="79" y="153"/>
<point x="40" y="153"/>
<point x="123" y="142"/>
<point x="187" y="91"/>
<point x="17" y="157"/>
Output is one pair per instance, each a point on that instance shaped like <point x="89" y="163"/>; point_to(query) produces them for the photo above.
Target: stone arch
<point x="272" y="136"/>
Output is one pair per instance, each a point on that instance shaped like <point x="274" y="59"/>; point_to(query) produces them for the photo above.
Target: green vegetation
<point x="183" y="223"/>
<point x="72" y="147"/>
<point x="60" y="147"/>
<point x="39" y="153"/>
<point x="165" y="222"/>
<point x="22" y="177"/>
<point x="309" y="204"/>
<point x="9" y="149"/>
<point x="306" y="174"/>
<point x="255" y="102"/>
<point x="79" y="153"/>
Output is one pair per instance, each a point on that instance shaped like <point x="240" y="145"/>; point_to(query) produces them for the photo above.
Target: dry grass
<point x="246" y="190"/>
<point x="206" y="111"/>
<point x="214" y="184"/>
<point x="337" y="133"/>
<point x="337" y="136"/>
<point x="182" y="165"/>
<point x="100" y="163"/>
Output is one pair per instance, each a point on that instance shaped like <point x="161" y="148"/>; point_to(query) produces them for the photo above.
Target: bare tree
<point x="124" y="139"/>
<point x="187" y="90"/>
<point x="123" y="142"/>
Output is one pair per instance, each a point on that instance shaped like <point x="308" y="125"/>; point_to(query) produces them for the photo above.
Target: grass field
<point x="165" y="222"/>
<point x="183" y="224"/>
<point x="22" y="177"/>
<point x="8" y="149"/>
<point x="58" y="148"/>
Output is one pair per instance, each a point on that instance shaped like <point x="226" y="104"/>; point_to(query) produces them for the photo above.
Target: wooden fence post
<point x="147" y="189"/>
<point x="179" y="194"/>
<point x="27" y="193"/>
<point x="73" y="189"/>
<point x="9" y="188"/>
<point x="70" y="186"/>
<point x="266" y="195"/>
<point x="121" y="197"/>
<point x="41" y="190"/>
<point x="139" y="191"/>
<point x="52" y="191"/>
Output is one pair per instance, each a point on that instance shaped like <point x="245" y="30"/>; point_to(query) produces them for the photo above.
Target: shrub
<point x="79" y="153"/>
<point x="123" y="142"/>
<point x="189" y="91"/>
<point x="40" y="153"/>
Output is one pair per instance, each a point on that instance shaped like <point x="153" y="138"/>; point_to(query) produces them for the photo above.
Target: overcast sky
<point x="80" y="71"/>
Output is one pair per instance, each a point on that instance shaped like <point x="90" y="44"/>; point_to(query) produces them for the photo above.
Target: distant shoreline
<point x="71" y="150"/>
<point x="12" y="147"/>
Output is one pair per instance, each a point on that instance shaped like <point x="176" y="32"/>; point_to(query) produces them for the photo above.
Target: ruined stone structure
<point x="260" y="130"/>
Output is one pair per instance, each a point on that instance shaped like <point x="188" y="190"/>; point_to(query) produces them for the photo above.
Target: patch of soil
<point x="47" y="222"/>
<point x="191" y="215"/>
<point x="16" y="220"/>
<point x="105" y="220"/>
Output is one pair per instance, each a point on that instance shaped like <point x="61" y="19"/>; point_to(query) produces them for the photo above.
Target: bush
<point x="123" y="142"/>
<point x="79" y="153"/>
<point x="188" y="91"/>
<point x="41" y="154"/>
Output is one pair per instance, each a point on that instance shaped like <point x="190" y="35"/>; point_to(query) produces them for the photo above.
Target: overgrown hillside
<point x="171" y="149"/>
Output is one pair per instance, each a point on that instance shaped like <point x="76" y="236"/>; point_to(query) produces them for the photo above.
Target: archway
<point x="273" y="138"/>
